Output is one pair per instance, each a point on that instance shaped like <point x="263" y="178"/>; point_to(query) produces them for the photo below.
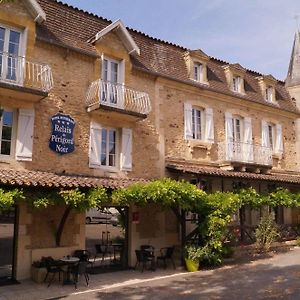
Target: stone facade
<point x="157" y="137"/>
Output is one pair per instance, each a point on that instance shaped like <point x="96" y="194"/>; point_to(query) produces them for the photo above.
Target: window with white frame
<point x="269" y="94"/>
<point x="16" y="134"/>
<point x="236" y="84"/>
<point x="272" y="136"/>
<point x="198" y="123"/>
<point x="237" y="129"/>
<point x="10" y="51"/>
<point x="198" y="72"/>
<point x="7" y="132"/>
<point x="110" y="147"/>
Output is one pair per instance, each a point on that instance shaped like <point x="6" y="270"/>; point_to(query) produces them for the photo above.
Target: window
<point x="198" y="75"/>
<point x="269" y="94"/>
<point x="236" y="83"/>
<point x="197" y="124"/>
<point x="7" y="127"/>
<point x="108" y="147"/>
<point x="236" y="129"/>
<point x="10" y="61"/>
<point x="272" y="136"/>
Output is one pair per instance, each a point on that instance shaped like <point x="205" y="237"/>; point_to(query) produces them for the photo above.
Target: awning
<point x="48" y="179"/>
<point x="187" y="167"/>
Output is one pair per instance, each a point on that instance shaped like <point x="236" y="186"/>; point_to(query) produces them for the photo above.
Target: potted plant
<point x="38" y="270"/>
<point x="193" y="255"/>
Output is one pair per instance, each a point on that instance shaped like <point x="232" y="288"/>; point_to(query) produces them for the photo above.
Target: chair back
<point x="83" y="255"/>
<point x="169" y="252"/>
<point x="140" y="255"/>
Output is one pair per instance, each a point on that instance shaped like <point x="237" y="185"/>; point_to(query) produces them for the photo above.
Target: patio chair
<point x="80" y="270"/>
<point x="142" y="258"/>
<point x="83" y="255"/>
<point x="102" y="250"/>
<point x="53" y="267"/>
<point x="166" y="254"/>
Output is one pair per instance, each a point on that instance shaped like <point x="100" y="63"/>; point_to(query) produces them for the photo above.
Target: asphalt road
<point x="274" y="278"/>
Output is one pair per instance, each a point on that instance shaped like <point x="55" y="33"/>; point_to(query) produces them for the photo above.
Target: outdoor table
<point x="70" y="261"/>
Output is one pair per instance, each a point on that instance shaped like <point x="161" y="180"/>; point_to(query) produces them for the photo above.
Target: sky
<point x="257" y="34"/>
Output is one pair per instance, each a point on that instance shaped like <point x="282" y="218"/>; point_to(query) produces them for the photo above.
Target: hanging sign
<point x="62" y="140"/>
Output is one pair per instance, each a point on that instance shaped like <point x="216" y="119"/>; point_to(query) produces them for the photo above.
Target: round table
<point x="69" y="261"/>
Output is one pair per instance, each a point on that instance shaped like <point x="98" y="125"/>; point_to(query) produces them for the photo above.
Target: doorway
<point x="107" y="238"/>
<point x="7" y="245"/>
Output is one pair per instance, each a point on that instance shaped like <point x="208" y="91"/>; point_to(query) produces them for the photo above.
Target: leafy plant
<point x="266" y="233"/>
<point x="196" y="253"/>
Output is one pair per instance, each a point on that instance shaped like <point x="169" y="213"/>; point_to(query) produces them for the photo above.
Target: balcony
<point x="238" y="152"/>
<point x="118" y="98"/>
<point x="23" y="79"/>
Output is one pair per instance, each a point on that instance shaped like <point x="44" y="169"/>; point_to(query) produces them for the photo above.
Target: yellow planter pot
<point x="191" y="266"/>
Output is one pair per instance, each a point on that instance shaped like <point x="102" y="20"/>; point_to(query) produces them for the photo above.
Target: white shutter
<point x="209" y="127"/>
<point x="188" y="131"/>
<point x="25" y="134"/>
<point x="126" y="150"/>
<point x="229" y="135"/>
<point x="279" y="141"/>
<point x="264" y="134"/>
<point x="95" y="145"/>
<point x="248" y="146"/>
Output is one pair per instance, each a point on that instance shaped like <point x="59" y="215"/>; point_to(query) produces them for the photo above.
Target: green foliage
<point x="9" y="198"/>
<point x="196" y="253"/>
<point x="266" y="233"/>
<point x="165" y="192"/>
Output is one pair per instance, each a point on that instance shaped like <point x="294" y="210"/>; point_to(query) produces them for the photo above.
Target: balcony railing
<point x="16" y="70"/>
<point x="245" y="153"/>
<point x="118" y="96"/>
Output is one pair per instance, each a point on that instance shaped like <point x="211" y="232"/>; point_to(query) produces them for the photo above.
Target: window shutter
<point x="279" y="140"/>
<point x="209" y="128"/>
<point x="25" y="134"/>
<point x="95" y="145"/>
<point x="264" y="134"/>
<point x="229" y="135"/>
<point x="248" y="151"/>
<point x="126" y="152"/>
<point x="188" y="131"/>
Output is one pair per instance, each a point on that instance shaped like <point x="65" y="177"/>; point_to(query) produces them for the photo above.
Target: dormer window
<point x="198" y="72"/>
<point x="236" y="84"/>
<point x="196" y="62"/>
<point x="235" y="75"/>
<point x="269" y="94"/>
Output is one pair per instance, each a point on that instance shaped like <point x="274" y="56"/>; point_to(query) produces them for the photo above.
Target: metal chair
<point x="142" y="258"/>
<point x="53" y="267"/>
<point x="83" y="255"/>
<point x="166" y="254"/>
<point x="79" y="270"/>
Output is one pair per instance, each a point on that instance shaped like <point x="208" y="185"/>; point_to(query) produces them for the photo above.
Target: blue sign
<point x="62" y="140"/>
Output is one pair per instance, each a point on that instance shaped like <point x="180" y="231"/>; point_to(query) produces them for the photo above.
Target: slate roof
<point x="187" y="167"/>
<point x="47" y="179"/>
<point x="71" y="27"/>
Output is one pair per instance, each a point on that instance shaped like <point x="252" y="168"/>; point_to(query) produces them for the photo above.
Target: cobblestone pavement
<point x="272" y="278"/>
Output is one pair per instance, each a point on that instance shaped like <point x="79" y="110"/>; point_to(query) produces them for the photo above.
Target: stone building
<point x="141" y="108"/>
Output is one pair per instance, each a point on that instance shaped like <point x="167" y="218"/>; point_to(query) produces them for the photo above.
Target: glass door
<point x="7" y="245"/>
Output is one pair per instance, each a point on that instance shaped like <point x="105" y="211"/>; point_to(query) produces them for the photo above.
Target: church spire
<point x="293" y="76"/>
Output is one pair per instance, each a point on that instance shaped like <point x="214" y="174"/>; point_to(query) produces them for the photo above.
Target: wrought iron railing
<point x="245" y="152"/>
<point x="17" y="70"/>
<point x="117" y="95"/>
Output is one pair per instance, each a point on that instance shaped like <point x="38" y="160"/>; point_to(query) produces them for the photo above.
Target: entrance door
<point x="107" y="238"/>
<point x="7" y="242"/>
